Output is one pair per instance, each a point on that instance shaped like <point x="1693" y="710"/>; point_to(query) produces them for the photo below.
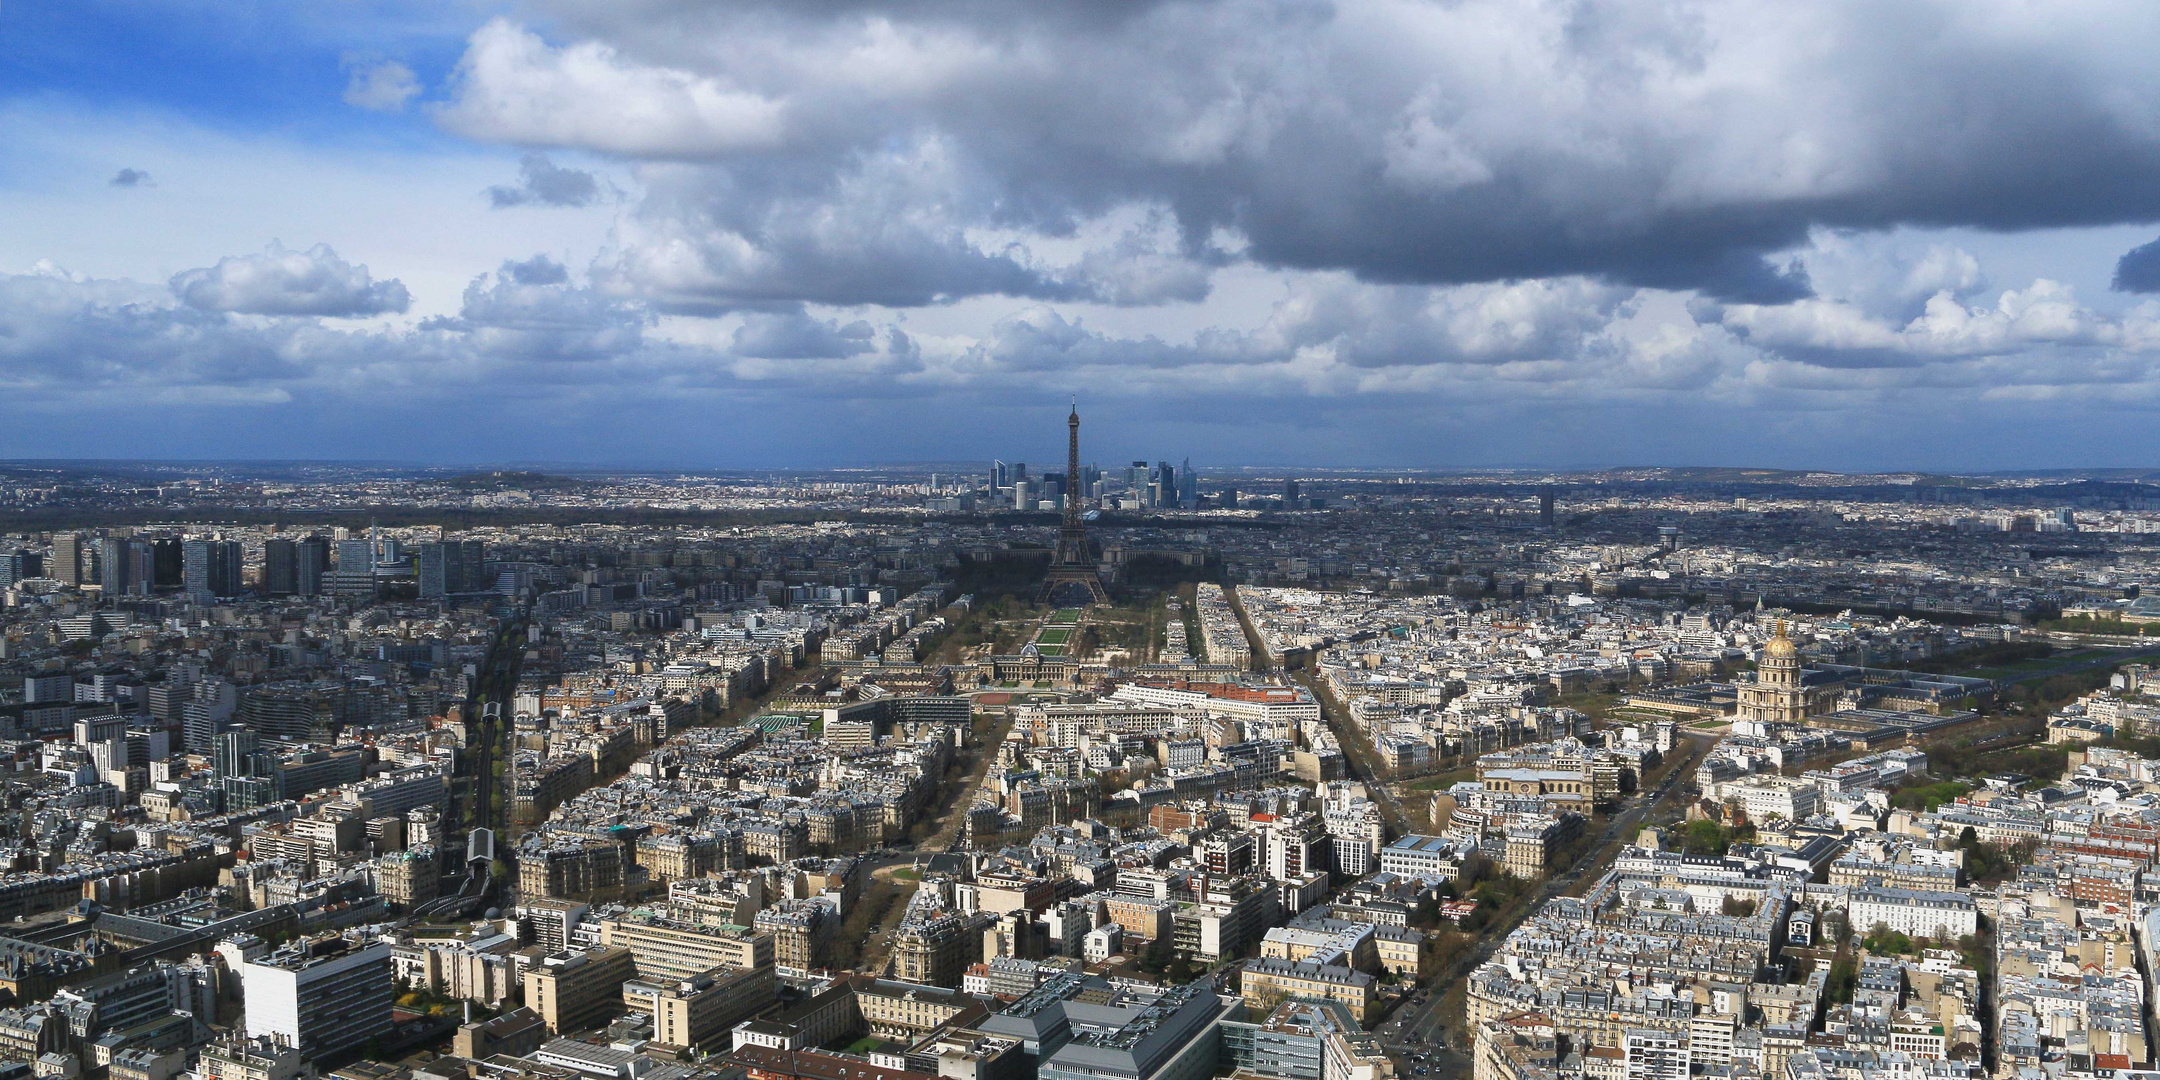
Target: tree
<point x="1157" y="958"/>
<point x="1180" y="970"/>
<point x="1427" y="914"/>
<point x="1704" y="837"/>
<point x="1844" y="977"/>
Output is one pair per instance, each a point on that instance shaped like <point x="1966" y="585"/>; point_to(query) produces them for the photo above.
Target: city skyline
<point x="766" y="235"/>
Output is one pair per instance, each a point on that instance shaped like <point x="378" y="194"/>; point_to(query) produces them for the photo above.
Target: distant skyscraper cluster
<point x="1138" y="486"/>
<point x="211" y="568"/>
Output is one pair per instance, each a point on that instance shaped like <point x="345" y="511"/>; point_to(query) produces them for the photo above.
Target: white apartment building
<point x="1775" y="797"/>
<point x="1914" y="914"/>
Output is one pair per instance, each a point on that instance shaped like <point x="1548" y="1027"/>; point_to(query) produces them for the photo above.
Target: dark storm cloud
<point x="131" y="178"/>
<point x="2138" y="271"/>
<point x="544" y="183"/>
<point x="1680" y="146"/>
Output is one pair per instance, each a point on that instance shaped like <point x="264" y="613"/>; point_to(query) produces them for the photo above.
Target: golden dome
<point x="1780" y="646"/>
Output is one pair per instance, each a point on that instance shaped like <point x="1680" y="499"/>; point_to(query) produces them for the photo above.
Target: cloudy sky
<point x="1442" y="233"/>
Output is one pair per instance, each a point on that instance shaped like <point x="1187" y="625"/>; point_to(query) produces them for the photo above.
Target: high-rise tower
<point x="1072" y="567"/>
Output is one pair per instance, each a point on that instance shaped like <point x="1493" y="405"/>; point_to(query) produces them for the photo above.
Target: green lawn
<point x="1066" y="615"/>
<point x="1054" y="636"/>
<point x="1440" y="781"/>
<point x="2036" y="666"/>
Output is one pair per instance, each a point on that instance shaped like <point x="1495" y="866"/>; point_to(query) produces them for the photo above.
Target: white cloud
<point x="381" y="86"/>
<point x="281" y="281"/>
<point x="513" y="87"/>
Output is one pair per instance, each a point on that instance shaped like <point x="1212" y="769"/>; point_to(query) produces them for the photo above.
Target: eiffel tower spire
<point x="1072" y="567"/>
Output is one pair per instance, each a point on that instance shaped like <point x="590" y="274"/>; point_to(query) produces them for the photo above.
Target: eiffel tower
<point x="1072" y="567"/>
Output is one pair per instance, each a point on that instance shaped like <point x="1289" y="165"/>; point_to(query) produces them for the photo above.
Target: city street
<point x="1419" y="1035"/>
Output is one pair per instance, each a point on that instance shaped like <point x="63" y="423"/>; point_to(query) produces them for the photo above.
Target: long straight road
<point x="1425" y="1030"/>
<point x="951" y="816"/>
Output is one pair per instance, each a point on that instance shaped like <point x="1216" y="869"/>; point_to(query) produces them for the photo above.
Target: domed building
<point x="1779" y="695"/>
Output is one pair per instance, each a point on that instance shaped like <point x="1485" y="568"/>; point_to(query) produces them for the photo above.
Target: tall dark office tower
<point x="19" y="565"/>
<point x="237" y="753"/>
<point x="999" y="475"/>
<point x="1545" y="508"/>
<point x="1290" y="494"/>
<point x="1188" y="486"/>
<point x="167" y="567"/>
<point x="212" y="567"/>
<point x="312" y="556"/>
<point x="199" y="722"/>
<point x="474" y="577"/>
<point x="1166" y="480"/>
<point x="113" y="565"/>
<point x="281" y="567"/>
<point x="436" y="570"/>
<point x="142" y="571"/>
<point x="66" y="558"/>
<point x="452" y="566"/>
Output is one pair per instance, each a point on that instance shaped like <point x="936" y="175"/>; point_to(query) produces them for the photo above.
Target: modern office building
<point x="114" y="565"/>
<point x="667" y="949"/>
<point x="281" y="567"/>
<point x="1176" y="1035"/>
<point x="211" y="568"/>
<point x="1420" y="856"/>
<point x="312" y="555"/>
<point x="21" y="565"/>
<point x="65" y="565"/>
<point x="166" y="564"/>
<point x="238" y="753"/>
<point x="1304" y="1040"/>
<point x="355" y="572"/>
<point x="698" y="1012"/>
<point x="323" y="996"/>
<point x="578" y="991"/>
<point x="453" y="566"/>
